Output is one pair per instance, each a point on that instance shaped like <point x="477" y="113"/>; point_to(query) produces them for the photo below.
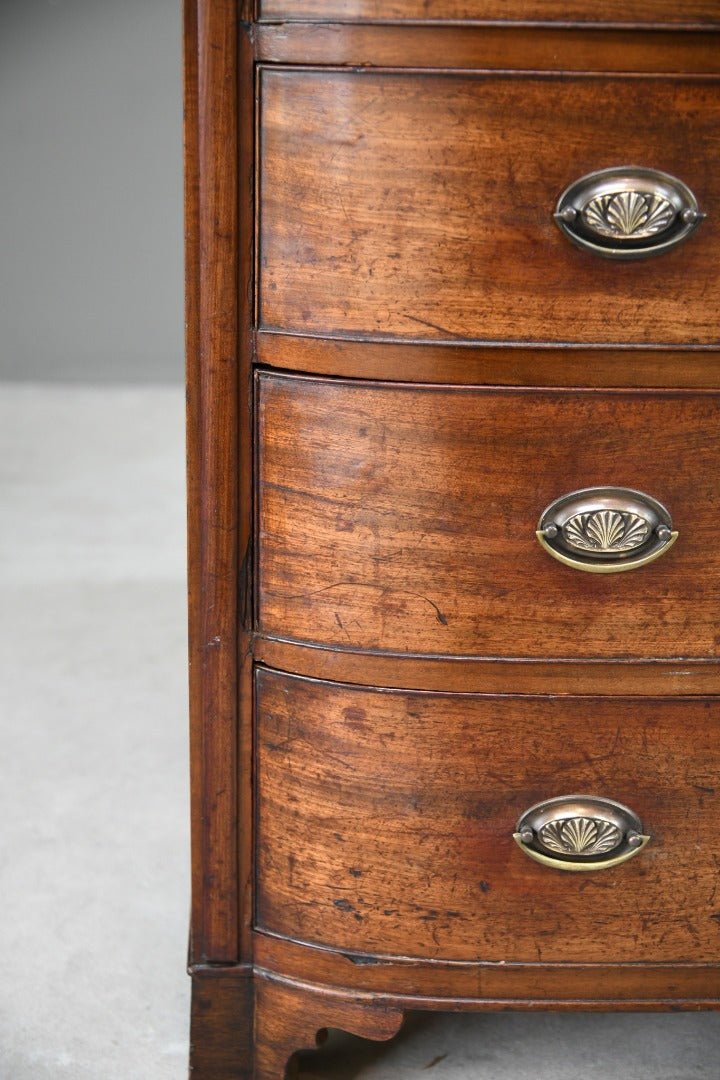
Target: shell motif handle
<point x="627" y="212"/>
<point x="580" y="832"/>
<point x="605" y="529"/>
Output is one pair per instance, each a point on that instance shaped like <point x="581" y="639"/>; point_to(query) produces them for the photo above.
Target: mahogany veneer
<point x="396" y="361"/>
<point x="383" y="821"/>
<point x="402" y="519"/>
<point x="564" y="11"/>
<point x="416" y="206"/>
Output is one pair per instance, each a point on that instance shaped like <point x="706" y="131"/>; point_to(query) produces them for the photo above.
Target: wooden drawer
<point x="618" y="11"/>
<point x="419" y="206"/>
<point x="385" y="822"/>
<point x="402" y="519"/>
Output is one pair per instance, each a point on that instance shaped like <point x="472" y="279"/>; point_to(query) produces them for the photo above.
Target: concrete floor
<point x="94" y="871"/>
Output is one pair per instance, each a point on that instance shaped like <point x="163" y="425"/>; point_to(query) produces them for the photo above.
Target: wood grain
<point x="399" y="227"/>
<point x="435" y="984"/>
<point x="194" y="453"/>
<point x="245" y="480"/>
<point x="221" y="1024"/>
<point x="583" y="11"/>
<point x="211" y="258"/>
<point x="478" y="675"/>
<point x="289" y="1018"/>
<point x="250" y="1025"/>
<point x="495" y="366"/>
<point x="402" y="518"/>
<point x="385" y="823"/>
<point x="406" y="206"/>
<point x="488" y="47"/>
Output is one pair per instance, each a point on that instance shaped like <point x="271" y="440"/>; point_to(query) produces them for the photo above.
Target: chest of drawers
<point x="452" y="364"/>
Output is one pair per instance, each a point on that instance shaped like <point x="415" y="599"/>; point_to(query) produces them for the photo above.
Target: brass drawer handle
<point x="627" y="212"/>
<point x="605" y="529"/>
<point x="580" y="832"/>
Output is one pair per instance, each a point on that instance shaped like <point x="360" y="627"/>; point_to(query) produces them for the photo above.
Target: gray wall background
<point x="91" y="190"/>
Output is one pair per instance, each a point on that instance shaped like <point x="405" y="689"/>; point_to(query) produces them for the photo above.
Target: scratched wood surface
<point x="659" y="678"/>
<point x="585" y="11"/>
<point x="402" y="518"/>
<point x="385" y="822"/>
<point x="433" y="984"/>
<point x="412" y="212"/>
<point x="419" y="206"/>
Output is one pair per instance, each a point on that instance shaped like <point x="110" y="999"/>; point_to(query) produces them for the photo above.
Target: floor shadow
<point x="528" y="1046"/>
<point x="344" y="1057"/>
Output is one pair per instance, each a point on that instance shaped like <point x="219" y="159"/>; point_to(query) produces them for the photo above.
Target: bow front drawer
<point x="387" y="819"/>
<point x="420" y="207"/>
<point x="406" y="518"/>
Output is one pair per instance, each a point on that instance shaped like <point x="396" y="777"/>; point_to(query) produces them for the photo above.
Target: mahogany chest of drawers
<point x="453" y="291"/>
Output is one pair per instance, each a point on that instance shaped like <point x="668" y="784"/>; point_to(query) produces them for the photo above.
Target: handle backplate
<point x="580" y="832"/>
<point x="627" y="212"/>
<point x="605" y="529"/>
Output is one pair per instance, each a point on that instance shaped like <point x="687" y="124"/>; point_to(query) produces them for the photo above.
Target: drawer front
<point x="622" y="11"/>
<point x="386" y="821"/>
<point x="402" y="519"/>
<point x="410" y="206"/>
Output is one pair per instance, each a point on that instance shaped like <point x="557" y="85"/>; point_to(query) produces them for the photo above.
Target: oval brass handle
<point x="580" y="832"/>
<point x="605" y="529"/>
<point x="627" y="212"/>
